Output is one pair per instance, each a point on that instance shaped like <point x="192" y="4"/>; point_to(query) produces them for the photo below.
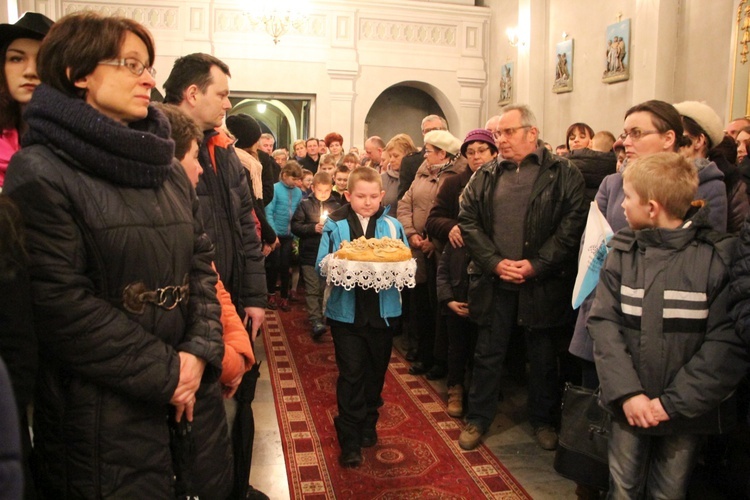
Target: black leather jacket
<point x="555" y="220"/>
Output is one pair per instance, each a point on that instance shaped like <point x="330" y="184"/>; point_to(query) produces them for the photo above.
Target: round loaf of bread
<point x="374" y="250"/>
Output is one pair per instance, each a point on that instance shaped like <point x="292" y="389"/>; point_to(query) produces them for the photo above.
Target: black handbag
<point x="584" y="436"/>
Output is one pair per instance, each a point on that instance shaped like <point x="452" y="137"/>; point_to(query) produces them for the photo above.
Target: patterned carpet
<point x="416" y="456"/>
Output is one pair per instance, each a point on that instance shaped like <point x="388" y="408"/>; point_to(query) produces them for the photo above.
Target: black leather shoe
<point x="436" y="372"/>
<point x="351" y="458"/>
<point x="411" y="355"/>
<point x="419" y="368"/>
<point x="253" y="494"/>
<point x="369" y="438"/>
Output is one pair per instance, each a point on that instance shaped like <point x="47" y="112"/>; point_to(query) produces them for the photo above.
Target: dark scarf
<point x="138" y="155"/>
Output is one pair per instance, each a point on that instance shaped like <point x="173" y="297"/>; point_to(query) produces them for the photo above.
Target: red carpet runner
<point x="417" y="455"/>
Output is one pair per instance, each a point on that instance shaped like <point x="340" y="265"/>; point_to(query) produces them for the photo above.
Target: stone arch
<point x="431" y="100"/>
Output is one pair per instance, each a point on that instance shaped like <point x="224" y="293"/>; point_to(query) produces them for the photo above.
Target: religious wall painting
<point x="617" y="63"/>
<point x="506" y="84"/>
<point x="563" y="67"/>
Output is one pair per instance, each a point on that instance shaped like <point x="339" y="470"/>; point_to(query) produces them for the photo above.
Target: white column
<point x="532" y="56"/>
<point x="343" y="69"/>
<point x="654" y="57"/>
<point x="472" y="76"/>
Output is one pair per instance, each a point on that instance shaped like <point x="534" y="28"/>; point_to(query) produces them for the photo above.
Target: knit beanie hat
<point x="245" y="129"/>
<point x="479" y="135"/>
<point x="705" y="117"/>
<point x="444" y="140"/>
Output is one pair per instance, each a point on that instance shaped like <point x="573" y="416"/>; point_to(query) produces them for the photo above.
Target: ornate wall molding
<point x="403" y="32"/>
<point x="152" y="16"/>
<point x="232" y="21"/>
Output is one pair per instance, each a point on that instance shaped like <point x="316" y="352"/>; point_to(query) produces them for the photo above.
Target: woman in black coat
<point x="18" y="347"/>
<point x="124" y="298"/>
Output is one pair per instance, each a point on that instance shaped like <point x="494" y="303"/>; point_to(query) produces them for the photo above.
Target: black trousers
<point x="422" y="323"/>
<point x="462" y="338"/>
<point x="279" y="264"/>
<point x="362" y="356"/>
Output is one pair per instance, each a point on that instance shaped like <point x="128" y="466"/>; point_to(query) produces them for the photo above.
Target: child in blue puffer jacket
<point x="287" y="194"/>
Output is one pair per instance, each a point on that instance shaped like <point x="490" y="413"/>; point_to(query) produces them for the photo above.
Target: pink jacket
<point x="8" y="146"/>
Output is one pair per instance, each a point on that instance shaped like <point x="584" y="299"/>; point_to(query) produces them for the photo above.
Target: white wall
<point x="705" y="50"/>
<point x="680" y="49"/>
<point x="504" y="15"/>
<point x="348" y="52"/>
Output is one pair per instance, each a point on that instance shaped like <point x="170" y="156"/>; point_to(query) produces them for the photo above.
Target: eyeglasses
<point x="507" y="132"/>
<point x="636" y="134"/>
<point x="479" y="151"/>
<point x="429" y="151"/>
<point x="133" y="65"/>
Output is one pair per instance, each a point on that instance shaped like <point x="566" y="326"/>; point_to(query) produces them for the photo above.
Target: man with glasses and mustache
<point x="411" y="163"/>
<point x="521" y="218"/>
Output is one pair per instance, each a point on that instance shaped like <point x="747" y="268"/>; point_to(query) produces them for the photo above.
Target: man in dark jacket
<point x="199" y="86"/>
<point x="521" y="220"/>
<point x="310" y="162"/>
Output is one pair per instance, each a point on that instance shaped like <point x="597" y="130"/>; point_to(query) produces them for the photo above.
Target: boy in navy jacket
<point x="360" y="319"/>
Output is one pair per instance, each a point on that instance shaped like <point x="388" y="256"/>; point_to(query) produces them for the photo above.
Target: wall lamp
<point x="513" y="38"/>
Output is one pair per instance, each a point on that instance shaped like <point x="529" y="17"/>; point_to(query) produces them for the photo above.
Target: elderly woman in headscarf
<point x="441" y="151"/>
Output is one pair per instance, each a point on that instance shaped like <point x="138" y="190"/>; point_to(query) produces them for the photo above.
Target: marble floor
<point x="509" y="438"/>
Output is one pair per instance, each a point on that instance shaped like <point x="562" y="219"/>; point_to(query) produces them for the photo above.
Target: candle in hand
<point x="323" y="216"/>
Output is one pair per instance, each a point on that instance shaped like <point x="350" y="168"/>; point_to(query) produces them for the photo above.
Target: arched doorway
<point x="400" y="109"/>
<point x="287" y="119"/>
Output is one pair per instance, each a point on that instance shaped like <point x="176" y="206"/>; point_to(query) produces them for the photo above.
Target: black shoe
<point x="318" y="329"/>
<point x="419" y="368"/>
<point x="351" y="458"/>
<point x="411" y="355"/>
<point x="253" y="494"/>
<point x="369" y="438"/>
<point x="436" y="372"/>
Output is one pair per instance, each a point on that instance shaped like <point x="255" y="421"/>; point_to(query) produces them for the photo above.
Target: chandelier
<point x="279" y="16"/>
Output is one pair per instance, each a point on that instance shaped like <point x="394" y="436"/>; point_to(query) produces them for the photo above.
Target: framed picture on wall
<point x="617" y="66"/>
<point x="563" y="67"/>
<point x="506" y="84"/>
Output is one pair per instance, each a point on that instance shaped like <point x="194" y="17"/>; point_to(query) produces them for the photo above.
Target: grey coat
<point x="661" y="328"/>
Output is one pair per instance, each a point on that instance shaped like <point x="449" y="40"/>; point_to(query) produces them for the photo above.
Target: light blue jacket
<point x="281" y="209"/>
<point x="340" y="305"/>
